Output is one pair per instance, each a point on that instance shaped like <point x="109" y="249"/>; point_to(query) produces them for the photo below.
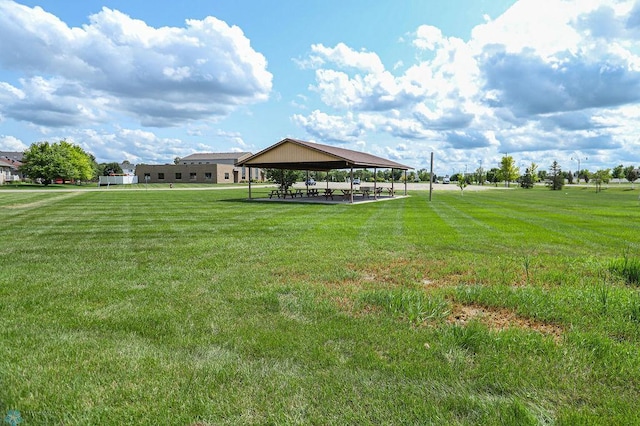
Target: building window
<point x="160" y="176"/>
<point x="147" y="176"/>
<point x="207" y="176"/>
<point x="192" y="176"/>
<point x="178" y="176"/>
<point x="226" y="175"/>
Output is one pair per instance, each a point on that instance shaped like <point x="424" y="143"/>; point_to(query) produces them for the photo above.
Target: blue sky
<point x="470" y="80"/>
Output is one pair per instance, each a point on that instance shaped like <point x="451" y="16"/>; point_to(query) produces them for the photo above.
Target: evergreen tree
<point x="556" y="179"/>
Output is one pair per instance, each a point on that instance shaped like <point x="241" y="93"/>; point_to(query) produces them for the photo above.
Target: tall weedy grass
<point x="413" y="305"/>
<point x="627" y="267"/>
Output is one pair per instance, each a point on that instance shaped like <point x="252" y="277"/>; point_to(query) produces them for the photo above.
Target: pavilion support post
<point x="351" y="183"/>
<point x="392" y="181"/>
<point x="249" y="182"/>
<point x="405" y="182"/>
<point x="375" y="181"/>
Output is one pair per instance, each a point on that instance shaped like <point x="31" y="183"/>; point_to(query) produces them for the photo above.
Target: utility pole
<point x="431" y="177"/>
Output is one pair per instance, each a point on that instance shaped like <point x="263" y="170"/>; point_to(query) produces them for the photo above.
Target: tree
<point x="493" y="175"/>
<point x="462" y="184"/>
<point x="81" y="167"/>
<point x="106" y="169"/>
<point x="631" y="174"/>
<point x="556" y="179"/>
<point x="533" y="170"/>
<point x="569" y="177"/>
<point x="527" y="180"/>
<point x="600" y="177"/>
<point x="479" y="175"/>
<point x="46" y="161"/>
<point x="285" y="178"/>
<point x="508" y="171"/>
<point x="584" y="174"/>
<point x="618" y="172"/>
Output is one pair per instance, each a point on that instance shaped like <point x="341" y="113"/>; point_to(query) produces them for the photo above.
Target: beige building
<point x="200" y="168"/>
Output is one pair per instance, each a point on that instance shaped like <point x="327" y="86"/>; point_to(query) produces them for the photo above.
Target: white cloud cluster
<point x="546" y="77"/>
<point x="119" y="66"/>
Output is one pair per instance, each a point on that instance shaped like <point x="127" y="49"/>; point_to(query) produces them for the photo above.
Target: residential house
<point x="9" y="170"/>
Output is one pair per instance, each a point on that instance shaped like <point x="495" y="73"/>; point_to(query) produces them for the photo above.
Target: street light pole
<point x="578" y="160"/>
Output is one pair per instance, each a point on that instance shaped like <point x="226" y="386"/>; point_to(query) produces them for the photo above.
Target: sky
<point x="469" y="80"/>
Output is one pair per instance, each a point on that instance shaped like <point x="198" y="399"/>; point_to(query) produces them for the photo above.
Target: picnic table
<point x="282" y="193"/>
<point x="313" y="192"/>
<point x="328" y="192"/>
<point x="365" y="191"/>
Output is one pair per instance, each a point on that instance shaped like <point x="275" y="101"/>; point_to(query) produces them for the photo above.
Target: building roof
<point x="213" y="156"/>
<point x="8" y="163"/>
<point x="11" y="155"/>
<point x="295" y="154"/>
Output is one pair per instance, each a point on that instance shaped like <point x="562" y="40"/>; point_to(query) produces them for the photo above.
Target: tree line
<point x="554" y="177"/>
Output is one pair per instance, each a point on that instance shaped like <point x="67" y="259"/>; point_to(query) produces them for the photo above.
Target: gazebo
<point x="295" y="154"/>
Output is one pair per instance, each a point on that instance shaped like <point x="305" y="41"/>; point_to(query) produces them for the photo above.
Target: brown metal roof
<point x="294" y="154"/>
<point x="212" y="156"/>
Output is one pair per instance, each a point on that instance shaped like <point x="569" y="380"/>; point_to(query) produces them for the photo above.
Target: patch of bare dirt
<point x="501" y="319"/>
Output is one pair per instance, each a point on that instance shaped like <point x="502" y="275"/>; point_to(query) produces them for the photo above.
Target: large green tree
<point x="508" y="170"/>
<point x="62" y="160"/>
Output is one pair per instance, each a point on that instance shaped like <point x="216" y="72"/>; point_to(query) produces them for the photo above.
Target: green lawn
<point x="200" y="308"/>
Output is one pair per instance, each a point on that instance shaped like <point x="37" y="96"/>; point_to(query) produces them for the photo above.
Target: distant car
<point x="356" y="181"/>
<point x="446" y="179"/>
<point x="310" y="182"/>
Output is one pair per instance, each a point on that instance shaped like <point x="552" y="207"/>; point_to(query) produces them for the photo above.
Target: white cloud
<point x="116" y="64"/>
<point x="330" y="128"/>
<point x="545" y="76"/>
<point x="11" y="143"/>
<point x="345" y="57"/>
<point x="428" y="37"/>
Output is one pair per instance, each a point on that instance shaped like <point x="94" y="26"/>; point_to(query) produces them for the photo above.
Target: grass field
<point x="200" y="308"/>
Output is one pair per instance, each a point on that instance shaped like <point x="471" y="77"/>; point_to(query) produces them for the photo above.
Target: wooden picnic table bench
<point x="275" y="192"/>
<point x="328" y="192"/>
<point x="282" y="193"/>
<point x="346" y="194"/>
